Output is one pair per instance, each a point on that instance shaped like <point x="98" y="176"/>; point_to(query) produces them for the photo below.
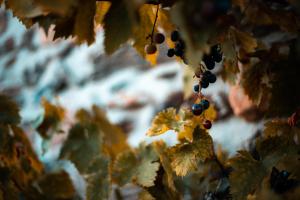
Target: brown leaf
<point x="57" y="185"/>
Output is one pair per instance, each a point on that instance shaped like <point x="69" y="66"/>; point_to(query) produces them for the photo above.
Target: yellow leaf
<point x="211" y="113"/>
<point x="152" y="58"/>
<point x="142" y="30"/>
<point x="102" y="8"/>
<point x="161" y="149"/>
<point x="185" y="157"/>
<point x="183" y="122"/>
<point x="52" y="117"/>
<point x="247" y="41"/>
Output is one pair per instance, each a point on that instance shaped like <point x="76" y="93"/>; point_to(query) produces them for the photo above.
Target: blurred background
<point x="124" y="85"/>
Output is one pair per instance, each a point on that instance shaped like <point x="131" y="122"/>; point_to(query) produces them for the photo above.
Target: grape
<point x="204" y="84"/>
<point x="211" y="78"/>
<point x="280" y="181"/>
<point x="197" y="109"/>
<point x="209" y="62"/>
<point x="175" y="36"/>
<point x="179" y="52"/>
<point x="150" y="49"/>
<point x="159" y="38"/>
<point x="171" y="52"/>
<point x="180" y="45"/>
<point x="207" y="124"/>
<point x="217" y="57"/>
<point x="205" y="104"/>
<point x="196" y="88"/>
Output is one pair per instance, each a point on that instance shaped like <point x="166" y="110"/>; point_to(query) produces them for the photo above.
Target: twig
<point x="155" y="20"/>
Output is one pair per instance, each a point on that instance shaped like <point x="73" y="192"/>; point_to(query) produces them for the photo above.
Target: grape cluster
<point x="157" y="38"/>
<point x="179" y="46"/>
<point x="206" y="77"/>
<point x="280" y="181"/>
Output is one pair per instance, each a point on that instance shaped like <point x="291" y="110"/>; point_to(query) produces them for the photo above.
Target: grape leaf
<point x="84" y="21"/>
<point x="246" y="176"/>
<point x="247" y="42"/>
<point x="183" y="122"/>
<point x="117" y="19"/>
<point x="102" y="8"/>
<point x="145" y="195"/>
<point x="230" y="63"/>
<point x="114" y="139"/>
<point x="82" y="145"/>
<point x="57" y="6"/>
<point x="273" y="149"/>
<point x="97" y="179"/>
<point x="138" y="167"/>
<point x="161" y="149"/>
<point x="52" y="118"/>
<point x="277" y="127"/>
<point x="9" y="111"/>
<point x="143" y="29"/>
<point x="57" y="185"/>
<point x="23" y="8"/>
<point x="186" y="156"/>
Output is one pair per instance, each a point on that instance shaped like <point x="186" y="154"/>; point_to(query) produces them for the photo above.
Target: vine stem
<point x="155" y="20"/>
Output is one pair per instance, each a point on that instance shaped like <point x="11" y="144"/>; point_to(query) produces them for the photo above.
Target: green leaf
<point x="98" y="184"/>
<point x="117" y="25"/>
<point x="185" y="157"/>
<point x="82" y="145"/>
<point x="140" y="167"/>
<point x="246" y="176"/>
<point x="9" y="111"/>
<point x="114" y="139"/>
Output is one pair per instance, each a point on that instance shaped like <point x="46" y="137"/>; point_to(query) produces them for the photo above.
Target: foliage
<point x="261" y="49"/>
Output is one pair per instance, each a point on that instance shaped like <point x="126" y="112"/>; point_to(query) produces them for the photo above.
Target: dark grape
<point x="180" y="45"/>
<point x="159" y="38"/>
<point x="179" y="52"/>
<point x="207" y="124"/>
<point x="204" y="84"/>
<point x="196" y="88"/>
<point x="211" y="78"/>
<point x="150" y="49"/>
<point x="280" y="181"/>
<point x="171" y="52"/>
<point x="197" y="109"/>
<point x="208" y="61"/>
<point x="217" y="57"/>
<point x="175" y="36"/>
<point x="205" y="104"/>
